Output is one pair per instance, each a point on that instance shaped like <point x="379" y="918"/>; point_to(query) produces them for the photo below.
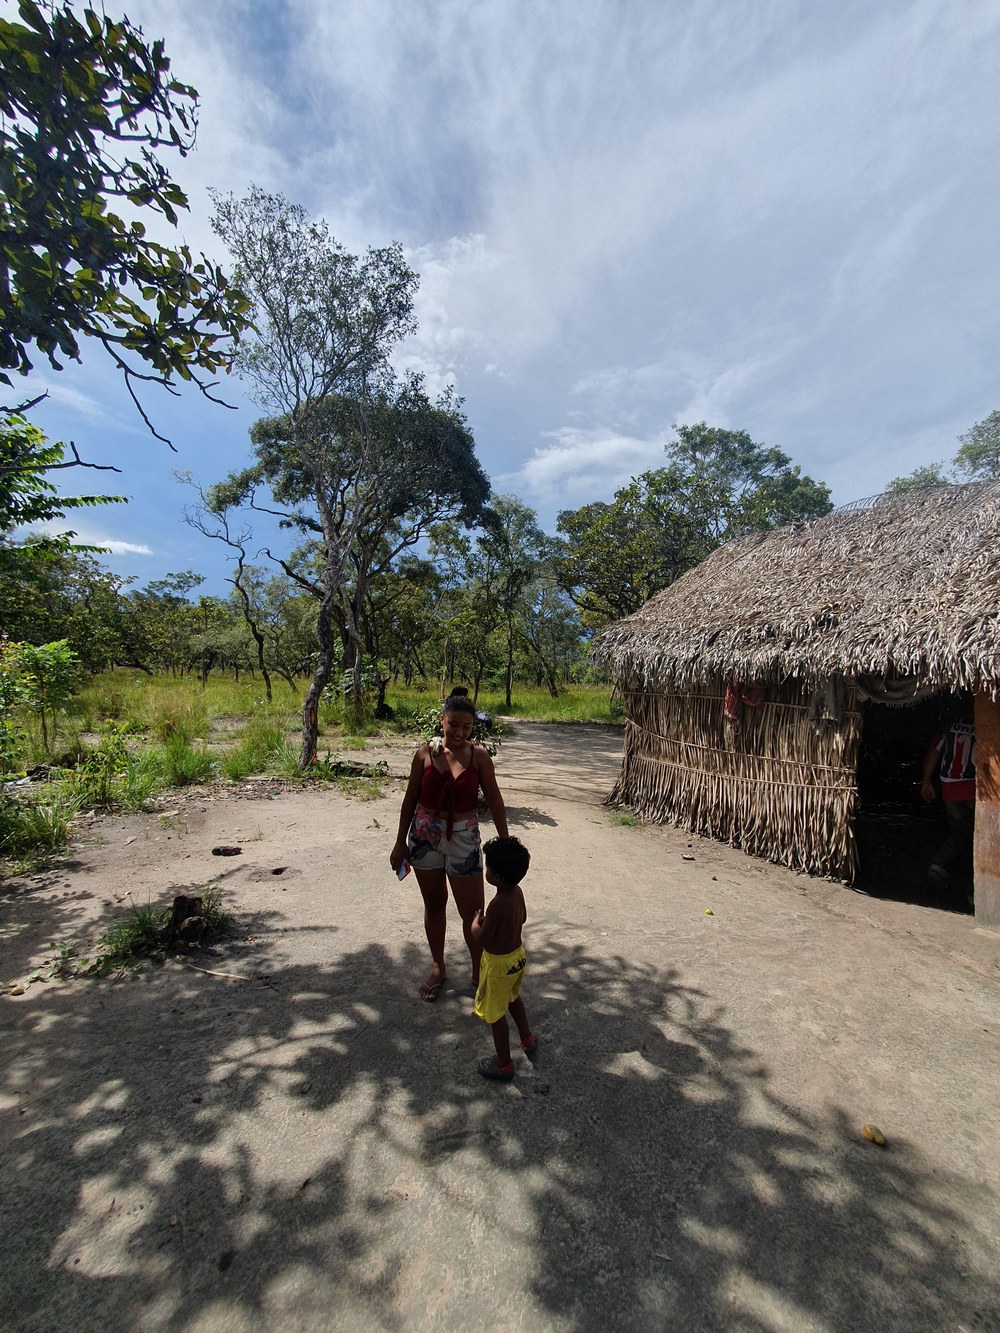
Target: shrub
<point x="99" y="777"/>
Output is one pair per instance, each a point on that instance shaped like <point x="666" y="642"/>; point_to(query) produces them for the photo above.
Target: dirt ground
<point x="276" y="1133"/>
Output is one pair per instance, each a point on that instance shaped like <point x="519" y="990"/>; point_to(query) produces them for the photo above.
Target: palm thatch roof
<point x="905" y="585"/>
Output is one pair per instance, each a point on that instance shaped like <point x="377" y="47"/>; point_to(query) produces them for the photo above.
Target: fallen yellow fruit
<point x="709" y="912"/>
<point x="873" y="1134"/>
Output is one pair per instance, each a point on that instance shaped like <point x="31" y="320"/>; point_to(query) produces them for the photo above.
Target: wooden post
<point x="986" y="857"/>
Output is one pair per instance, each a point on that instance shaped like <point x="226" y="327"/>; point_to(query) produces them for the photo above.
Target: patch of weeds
<point x="66" y="960"/>
<point x="353" y="743"/>
<point x="141" y="934"/>
<point x="255" y="751"/>
<point x="132" y="938"/>
<point x="628" y="820"/>
<point x="183" y="717"/>
<point x="98" y="778"/>
<point x="361" y="788"/>
<point x="285" y="761"/>
<point x="136" y="787"/>
<point x="217" y="920"/>
<point x="178" y="763"/>
<point x="33" y="827"/>
<point x="175" y="822"/>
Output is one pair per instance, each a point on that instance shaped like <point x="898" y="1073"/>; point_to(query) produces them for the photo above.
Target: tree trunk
<point x="509" y="682"/>
<point x="321" y="676"/>
<point x="285" y="676"/>
<point x="544" y="669"/>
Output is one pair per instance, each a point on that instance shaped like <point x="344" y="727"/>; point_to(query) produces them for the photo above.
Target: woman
<point x="439" y="830"/>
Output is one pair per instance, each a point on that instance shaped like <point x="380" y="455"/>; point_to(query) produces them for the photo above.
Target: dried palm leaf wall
<point x="773" y="782"/>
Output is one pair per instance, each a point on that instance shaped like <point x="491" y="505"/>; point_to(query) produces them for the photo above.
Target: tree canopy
<point x="717" y="484"/>
<point x="977" y="459"/>
<point x="357" y="461"/>
<point x="87" y="107"/>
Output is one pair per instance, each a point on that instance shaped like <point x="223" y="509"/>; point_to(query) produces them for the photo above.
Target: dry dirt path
<point x="280" y="1135"/>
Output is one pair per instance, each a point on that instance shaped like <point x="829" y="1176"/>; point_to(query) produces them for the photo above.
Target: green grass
<point x="253" y="737"/>
<point x="164" y="705"/>
<point x="34" y="826"/>
<point x="178" y="763"/>
<point x="145" y="702"/>
<point x="628" y="821"/>
<point x="575" y="703"/>
<point x="256" y="747"/>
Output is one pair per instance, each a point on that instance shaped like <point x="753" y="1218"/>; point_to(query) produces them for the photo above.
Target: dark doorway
<point x="897" y="832"/>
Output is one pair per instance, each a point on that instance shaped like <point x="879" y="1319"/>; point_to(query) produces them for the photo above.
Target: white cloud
<point x="583" y="465"/>
<point x="87" y="535"/>
<point x="64" y="395"/>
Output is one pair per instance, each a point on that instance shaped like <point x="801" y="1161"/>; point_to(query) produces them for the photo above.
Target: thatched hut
<point x="743" y="680"/>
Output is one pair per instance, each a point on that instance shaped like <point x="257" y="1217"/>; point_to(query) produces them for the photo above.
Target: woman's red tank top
<point x="444" y="794"/>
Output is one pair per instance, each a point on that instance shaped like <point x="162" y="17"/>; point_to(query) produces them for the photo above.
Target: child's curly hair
<point x="508" y="858"/>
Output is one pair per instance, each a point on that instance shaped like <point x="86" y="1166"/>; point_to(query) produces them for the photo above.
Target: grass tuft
<point x="142" y="933"/>
<point x="178" y="763"/>
<point x="33" y="827"/>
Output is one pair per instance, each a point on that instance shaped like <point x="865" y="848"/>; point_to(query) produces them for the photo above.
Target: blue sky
<point x="770" y="216"/>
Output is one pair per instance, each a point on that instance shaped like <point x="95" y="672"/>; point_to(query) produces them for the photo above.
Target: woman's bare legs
<point x="469" y="897"/>
<point x="434" y="891"/>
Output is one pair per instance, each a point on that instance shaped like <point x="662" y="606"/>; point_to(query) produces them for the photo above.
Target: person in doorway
<point x="439" y="831"/>
<point x="951" y="758"/>
<point x="499" y="935"/>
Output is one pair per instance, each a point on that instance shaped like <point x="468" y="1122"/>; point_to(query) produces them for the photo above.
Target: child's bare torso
<point x="503" y="920"/>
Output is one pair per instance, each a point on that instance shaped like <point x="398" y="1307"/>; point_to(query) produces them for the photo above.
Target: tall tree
<point x="930" y="474"/>
<point x="88" y="108"/>
<point x="514" y="544"/>
<point x="364" y="481"/>
<point x="615" y="555"/>
<point x="357" y="462"/>
<point x="717" y="485"/>
<point x="728" y="484"/>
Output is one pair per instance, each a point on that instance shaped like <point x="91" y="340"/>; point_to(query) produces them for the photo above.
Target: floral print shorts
<point x="430" y="848"/>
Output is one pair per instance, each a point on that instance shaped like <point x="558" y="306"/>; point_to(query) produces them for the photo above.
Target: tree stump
<point x="187" y="921"/>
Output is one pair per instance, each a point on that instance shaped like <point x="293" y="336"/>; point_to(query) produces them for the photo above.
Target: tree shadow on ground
<point x="43" y="913"/>
<point x="528" y="816"/>
<point x="318" y="1152"/>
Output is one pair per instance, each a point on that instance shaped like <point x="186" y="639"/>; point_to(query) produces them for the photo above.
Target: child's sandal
<point x="530" y="1047"/>
<point x="489" y="1068"/>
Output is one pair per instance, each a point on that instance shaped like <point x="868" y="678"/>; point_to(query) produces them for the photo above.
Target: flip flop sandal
<point x="489" y="1069"/>
<point x="430" y="993"/>
<point x="530" y="1047"/>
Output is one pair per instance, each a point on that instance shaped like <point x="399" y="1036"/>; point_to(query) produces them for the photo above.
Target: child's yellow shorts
<point x="499" y="982"/>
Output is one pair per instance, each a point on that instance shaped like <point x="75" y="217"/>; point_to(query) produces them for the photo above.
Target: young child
<point x="498" y="933"/>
